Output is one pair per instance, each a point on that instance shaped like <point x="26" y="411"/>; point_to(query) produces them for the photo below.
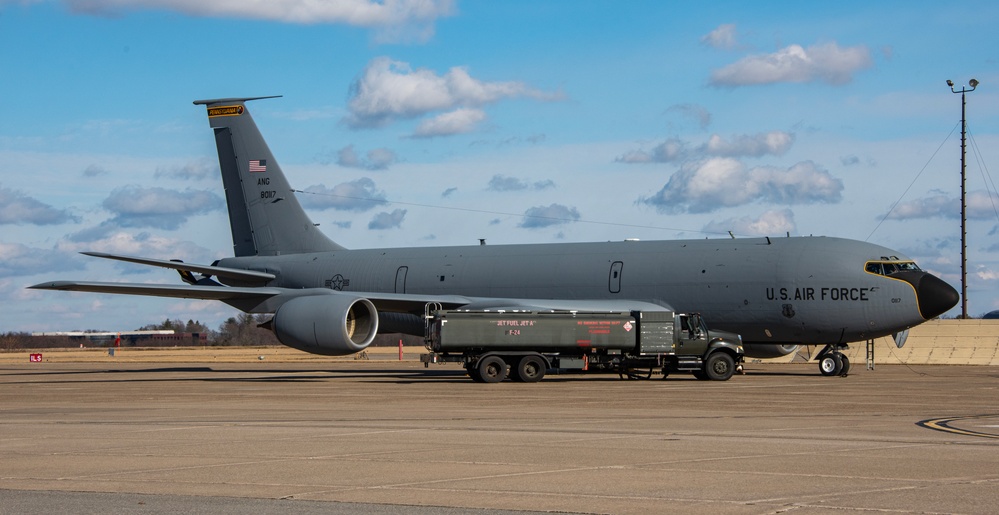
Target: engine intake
<point x="332" y="325"/>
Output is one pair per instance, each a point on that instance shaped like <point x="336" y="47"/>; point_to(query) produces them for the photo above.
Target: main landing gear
<point x="832" y="362"/>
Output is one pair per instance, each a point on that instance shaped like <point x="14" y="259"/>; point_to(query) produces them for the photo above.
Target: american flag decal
<point x="258" y="165"/>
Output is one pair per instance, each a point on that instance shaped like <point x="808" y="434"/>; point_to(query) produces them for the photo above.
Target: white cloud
<point x="773" y="222"/>
<point x="505" y="183"/>
<point x="198" y="170"/>
<point x="827" y="63"/>
<point x="358" y="195"/>
<point x="708" y="185"/>
<point x="546" y="216"/>
<point x="376" y="159"/>
<point x="18" y="208"/>
<point x="722" y="37"/>
<point x="459" y="121"/>
<point x="394" y="19"/>
<point x="981" y="205"/>
<point x="94" y="171"/>
<point x="745" y="145"/>
<point x="136" y="206"/>
<point x="986" y="275"/>
<point x="693" y="112"/>
<point x="17" y="259"/>
<point x="668" y="151"/>
<point x="386" y="220"/>
<point x="391" y="90"/>
<point x="773" y="143"/>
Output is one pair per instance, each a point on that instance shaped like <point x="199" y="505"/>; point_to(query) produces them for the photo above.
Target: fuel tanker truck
<point x="524" y="345"/>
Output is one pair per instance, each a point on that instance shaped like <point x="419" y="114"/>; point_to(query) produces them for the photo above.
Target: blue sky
<point x="605" y="120"/>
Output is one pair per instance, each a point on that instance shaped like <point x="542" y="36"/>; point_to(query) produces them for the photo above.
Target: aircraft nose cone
<point x="935" y="296"/>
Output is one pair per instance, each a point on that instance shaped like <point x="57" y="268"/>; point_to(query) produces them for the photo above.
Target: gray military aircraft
<point x="777" y="293"/>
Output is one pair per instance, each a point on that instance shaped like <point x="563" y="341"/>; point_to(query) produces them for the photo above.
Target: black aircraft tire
<point x="831" y="364"/>
<point x="530" y="369"/>
<point x="719" y="366"/>
<point x="492" y="369"/>
<point x="845" y="369"/>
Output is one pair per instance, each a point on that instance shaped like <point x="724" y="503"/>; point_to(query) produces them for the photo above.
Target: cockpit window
<point x="890" y="267"/>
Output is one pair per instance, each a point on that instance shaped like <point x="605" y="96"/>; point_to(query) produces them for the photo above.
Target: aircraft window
<point x="891" y="267"/>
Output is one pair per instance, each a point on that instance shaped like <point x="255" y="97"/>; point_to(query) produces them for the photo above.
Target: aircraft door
<point x="614" y="280"/>
<point x="400" y="279"/>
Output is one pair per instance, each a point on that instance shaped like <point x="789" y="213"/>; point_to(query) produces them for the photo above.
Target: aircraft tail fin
<point x="265" y="216"/>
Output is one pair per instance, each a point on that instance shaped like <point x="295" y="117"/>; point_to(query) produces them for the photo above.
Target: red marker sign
<point x="35" y="358"/>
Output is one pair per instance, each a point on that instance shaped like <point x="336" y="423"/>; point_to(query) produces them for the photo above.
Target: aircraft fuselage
<point x="803" y="290"/>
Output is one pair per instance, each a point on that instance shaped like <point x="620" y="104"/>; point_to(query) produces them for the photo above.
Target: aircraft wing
<point x="163" y="290"/>
<point x="254" y="299"/>
<point x="267" y="299"/>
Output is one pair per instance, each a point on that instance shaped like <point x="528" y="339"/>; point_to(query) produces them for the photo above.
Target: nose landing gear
<point x="832" y="362"/>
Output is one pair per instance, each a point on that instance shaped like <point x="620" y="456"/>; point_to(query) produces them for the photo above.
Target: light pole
<point x="964" y="199"/>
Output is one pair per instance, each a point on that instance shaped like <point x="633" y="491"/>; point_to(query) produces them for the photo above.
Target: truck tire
<point x="473" y="372"/>
<point x="530" y="369"/>
<point x="492" y="369"/>
<point x="719" y="366"/>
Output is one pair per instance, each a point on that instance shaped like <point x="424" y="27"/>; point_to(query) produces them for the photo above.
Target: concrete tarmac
<point x="393" y="437"/>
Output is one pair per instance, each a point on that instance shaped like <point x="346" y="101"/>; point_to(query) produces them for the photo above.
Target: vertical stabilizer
<point x="264" y="214"/>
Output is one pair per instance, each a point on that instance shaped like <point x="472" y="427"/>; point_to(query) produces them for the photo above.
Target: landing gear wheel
<point x="530" y="369"/>
<point x="845" y="369"/>
<point x="492" y="369"/>
<point x="719" y="366"/>
<point x="831" y="364"/>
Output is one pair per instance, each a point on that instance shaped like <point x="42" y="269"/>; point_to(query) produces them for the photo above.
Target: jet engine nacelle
<point x="332" y="325"/>
<point x="769" y="351"/>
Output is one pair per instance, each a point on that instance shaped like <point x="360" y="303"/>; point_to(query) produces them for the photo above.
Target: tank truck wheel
<point x="473" y="372"/>
<point x="831" y="364"/>
<point x="719" y="366"/>
<point x="492" y="369"/>
<point x="530" y="369"/>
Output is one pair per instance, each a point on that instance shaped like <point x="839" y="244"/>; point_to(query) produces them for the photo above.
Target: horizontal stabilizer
<point x="248" y="276"/>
